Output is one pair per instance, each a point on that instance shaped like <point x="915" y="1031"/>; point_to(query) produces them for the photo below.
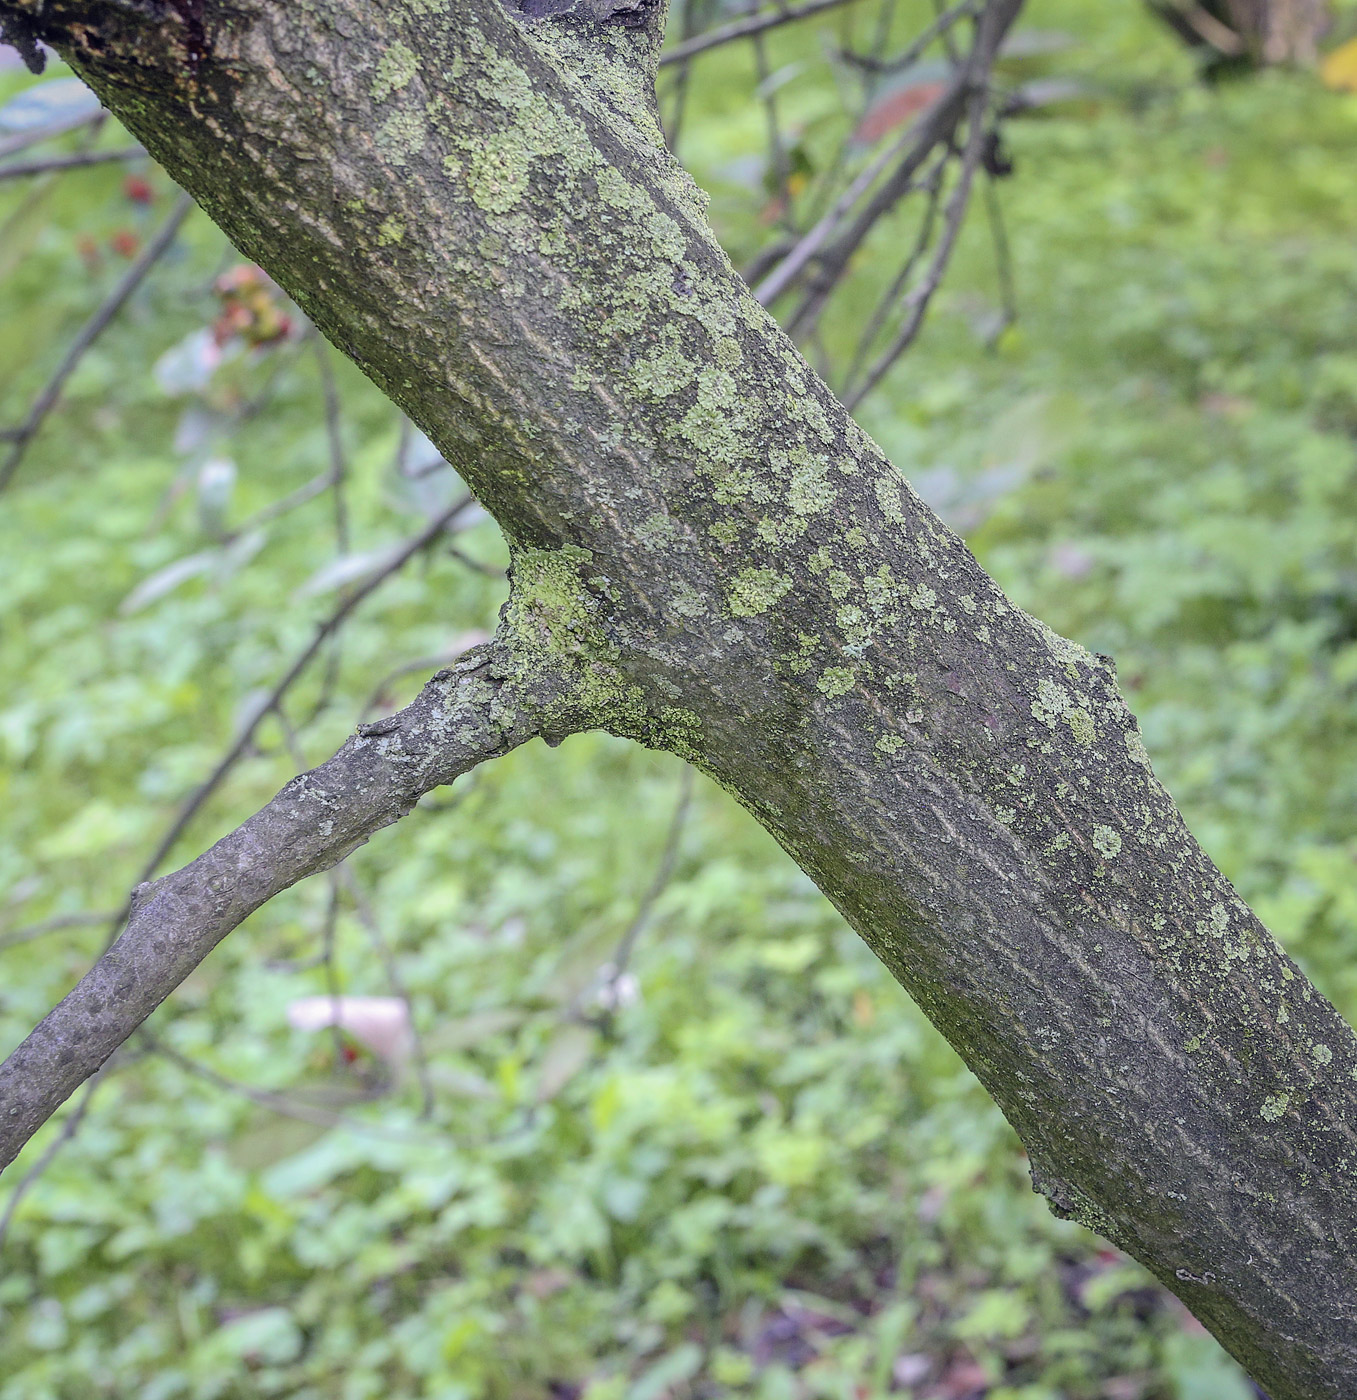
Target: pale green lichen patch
<point x="1274" y="1106"/>
<point x="663" y="372"/>
<point x="835" y="680"/>
<point x="498" y="174"/>
<point x="1083" y="729"/>
<point x="402" y="136"/>
<point x="754" y="591"/>
<point x="1321" y="1054"/>
<point x="890" y="743"/>
<point x="810" y="491"/>
<point x="395" y="69"/>
<point x="1106" y="842"/>
<point x="391" y="230"/>
<point x="890" y="499"/>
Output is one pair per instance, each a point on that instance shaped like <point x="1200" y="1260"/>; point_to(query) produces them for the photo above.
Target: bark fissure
<point x="478" y="208"/>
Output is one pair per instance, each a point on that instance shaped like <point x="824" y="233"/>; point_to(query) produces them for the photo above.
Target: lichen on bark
<point x="477" y="206"/>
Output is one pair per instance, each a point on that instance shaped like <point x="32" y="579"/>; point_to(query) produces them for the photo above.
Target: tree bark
<point x="710" y="557"/>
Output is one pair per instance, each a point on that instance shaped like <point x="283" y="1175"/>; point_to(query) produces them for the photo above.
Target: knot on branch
<point x="21" y="32"/>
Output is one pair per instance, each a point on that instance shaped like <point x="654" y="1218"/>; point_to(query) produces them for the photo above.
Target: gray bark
<point x="710" y="557"/>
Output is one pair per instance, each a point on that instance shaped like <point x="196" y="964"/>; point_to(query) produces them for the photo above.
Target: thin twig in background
<point x="69" y="1127"/>
<point x="29" y="932"/>
<point x="21" y="436"/>
<point x="12" y="145"/>
<point x="746" y="28"/>
<point x="918" y="300"/>
<point x="367" y="916"/>
<point x="327" y="961"/>
<point x="664" y="872"/>
<point x="1003" y="260"/>
<point x="243" y="740"/>
<point x="278" y="1103"/>
<point x="74" y="161"/>
<point x="308" y="491"/>
<point x="604" y="990"/>
<point x="334" y="436"/>
<point x="782" y="276"/>
<point x="692" y="12"/>
<point x="890" y="299"/>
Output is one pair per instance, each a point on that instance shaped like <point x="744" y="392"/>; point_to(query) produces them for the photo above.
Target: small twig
<point x="664" y="872"/>
<point x="1003" y="261"/>
<point x="339" y="468"/>
<point x="308" y="491"/>
<point x="922" y="295"/>
<point x="423" y="664"/>
<point x="12" y="145"/>
<point x="336" y="619"/>
<point x="69" y="1128"/>
<point x="327" y="962"/>
<point x="943" y="24"/>
<point x="278" y="1103"/>
<point x="745" y="28"/>
<point x="21" y="436"/>
<point x="367" y="916"/>
<point x="782" y="276"/>
<point x="70" y="162"/>
<point x="53" y="925"/>
<point x="604" y="988"/>
<point x="888" y="302"/>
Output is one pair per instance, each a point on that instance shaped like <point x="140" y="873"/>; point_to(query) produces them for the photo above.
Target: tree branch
<point x="472" y="712"/>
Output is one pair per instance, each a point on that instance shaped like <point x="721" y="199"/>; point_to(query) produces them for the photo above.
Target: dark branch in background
<point x="664" y="872"/>
<point x="135" y="275"/>
<point x="334" y="437"/>
<point x="56" y="924"/>
<point x="746" y="29"/>
<point x="918" y="300"/>
<point x="73" y="161"/>
<point x="857" y="191"/>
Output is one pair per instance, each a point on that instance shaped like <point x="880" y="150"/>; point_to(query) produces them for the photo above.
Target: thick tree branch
<point x="474" y="711"/>
<point x="477" y="207"/>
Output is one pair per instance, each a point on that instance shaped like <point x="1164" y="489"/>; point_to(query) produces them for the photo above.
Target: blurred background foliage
<point x="686" y="1137"/>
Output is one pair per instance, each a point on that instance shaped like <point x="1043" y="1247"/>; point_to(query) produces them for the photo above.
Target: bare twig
<point x="339" y="469"/>
<point x="604" y="991"/>
<point x="944" y="22"/>
<point x="664" y="872"/>
<point x="70" y="162"/>
<point x="12" y="145"/>
<point x="367" y="916"/>
<point x="922" y="295"/>
<point x="282" y="1104"/>
<point x="53" y="925"/>
<point x="21" y="436"/>
<point x="934" y="184"/>
<point x="30" y="1178"/>
<point x="745" y="28"/>
<point x="336" y="619"/>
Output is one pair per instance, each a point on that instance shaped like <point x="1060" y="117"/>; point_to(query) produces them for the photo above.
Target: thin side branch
<point x="151" y="254"/>
<point x="465" y="715"/>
